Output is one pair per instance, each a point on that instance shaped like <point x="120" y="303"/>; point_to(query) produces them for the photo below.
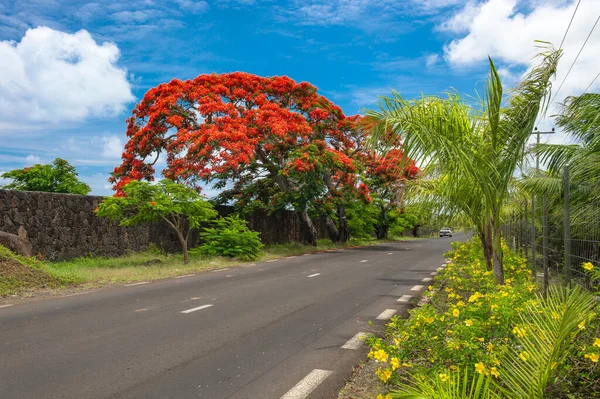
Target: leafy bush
<point x="231" y="237"/>
<point x="472" y="325"/>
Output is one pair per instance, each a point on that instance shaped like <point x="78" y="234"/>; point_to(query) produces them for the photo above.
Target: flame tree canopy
<point x="243" y="129"/>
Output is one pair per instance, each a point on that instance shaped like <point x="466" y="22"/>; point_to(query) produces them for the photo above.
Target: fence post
<point x="533" y="246"/>
<point x="545" y="244"/>
<point x="567" y="224"/>
<point x="526" y="231"/>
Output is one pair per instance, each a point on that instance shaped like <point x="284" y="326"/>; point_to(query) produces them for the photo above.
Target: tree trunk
<point x="184" y="246"/>
<point x="309" y="232"/>
<point x="332" y="229"/>
<point x="381" y="231"/>
<point x="344" y="230"/>
<point x="486" y="242"/>
<point x="498" y="258"/>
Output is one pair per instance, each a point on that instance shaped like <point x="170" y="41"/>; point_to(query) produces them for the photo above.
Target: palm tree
<point x="477" y="146"/>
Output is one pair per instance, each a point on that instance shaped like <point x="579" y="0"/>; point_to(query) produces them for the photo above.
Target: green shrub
<point x="230" y="237"/>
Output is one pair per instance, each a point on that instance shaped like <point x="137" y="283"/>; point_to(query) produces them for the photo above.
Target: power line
<point x="576" y="58"/>
<point x="570" y="22"/>
<point x="591" y="83"/>
<point x="563" y="41"/>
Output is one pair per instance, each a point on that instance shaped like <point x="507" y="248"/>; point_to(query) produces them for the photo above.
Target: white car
<point x="445" y="231"/>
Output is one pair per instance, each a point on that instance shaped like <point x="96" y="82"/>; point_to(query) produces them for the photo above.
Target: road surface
<point x="284" y="329"/>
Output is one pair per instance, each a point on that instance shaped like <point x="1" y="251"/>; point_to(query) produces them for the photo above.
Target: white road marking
<point x="5" y="306"/>
<point x="290" y="257"/>
<point x="439" y="268"/>
<point x="390" y="253"/>
<point x="308" y="384"/>
<point x="141" y="310"/>
<point x="306" y="255"/>
<point x="433" y="274"/>
<point x="404" y="298"/>
<point x="195" y="309"/>
<point x="364" y="260"/>
<point x="417" y="288"/>
<point x="314" y="275"/>
<point x="356" y="341"/>
<point x="185" y="275"/>
<point x="269" y="261"/>
<point x="220" y="270"/>
<point x="133" y="284"/>
<point x="386" y="314"/>
<point x="427" y="279"/>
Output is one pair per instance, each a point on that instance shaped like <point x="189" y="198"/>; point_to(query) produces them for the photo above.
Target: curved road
<point x="280" y="329"/>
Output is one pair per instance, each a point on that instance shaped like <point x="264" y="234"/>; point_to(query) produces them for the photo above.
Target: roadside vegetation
<point x="20" y="275"/>
<point x="476" y="339"/>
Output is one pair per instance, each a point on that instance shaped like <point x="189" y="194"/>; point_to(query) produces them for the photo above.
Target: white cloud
<point x="431" y="60"/>
<point x="52" y="76"/>
<point x="193" y="6"/>
<point x="113" y="147"/>
<point x="32" y="159"/>
<point x="501" y="29"/>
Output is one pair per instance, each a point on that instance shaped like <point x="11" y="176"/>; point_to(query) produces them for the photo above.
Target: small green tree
<point x="57" y="177"/>
<point x="181" y="207"/>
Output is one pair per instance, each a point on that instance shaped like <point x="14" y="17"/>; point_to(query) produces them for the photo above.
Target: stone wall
<point x="63" y="226"/>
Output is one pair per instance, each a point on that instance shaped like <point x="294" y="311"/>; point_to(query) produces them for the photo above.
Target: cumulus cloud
<point x="506" y="30"/>
<point x="113" y="147"/>
<point x="32" y="159"/>
<point x="52" y="76"/>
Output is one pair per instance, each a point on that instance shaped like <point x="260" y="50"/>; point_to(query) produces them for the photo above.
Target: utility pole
<point x="537" y="158"/>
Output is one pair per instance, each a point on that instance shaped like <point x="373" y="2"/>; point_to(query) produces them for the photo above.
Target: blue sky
<point x="71" y="71"/>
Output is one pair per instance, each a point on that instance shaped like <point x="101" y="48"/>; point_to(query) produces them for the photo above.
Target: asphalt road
<point x="270" y="330"/>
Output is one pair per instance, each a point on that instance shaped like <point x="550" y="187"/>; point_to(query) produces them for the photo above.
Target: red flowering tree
<point x="271" y="138"/>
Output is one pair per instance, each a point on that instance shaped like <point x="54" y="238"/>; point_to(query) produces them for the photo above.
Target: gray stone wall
<point x="63" y="226"/>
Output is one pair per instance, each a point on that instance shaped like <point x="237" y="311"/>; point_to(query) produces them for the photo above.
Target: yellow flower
<point x="460" y="303"/>
<point x="407" y="365"/>
<point x="443" y="376"/>
<point x="430" y="320"/>
<point x="581" y="325"/>
<point x="494" y="307"/>
<point x="479" y="367"/>
<point x="592" y="356"/>
<point x="597" y="342"/>
<point x="384" y="375"/>
<point x="469" y="323"/>
<point x="381" y="355"/>
<point x="480" y="339"/>
<point x="456" y="312"/>
<point x="494" y="372"/>
<point x="519" y="332"/>
<point x="380" y="396"/>
<point x="524" y="356"/>
<point x="475" y="297"/>
<point x="395" y="363"/>
<point x="490" y="347"/>
<point x="588" y="266"/>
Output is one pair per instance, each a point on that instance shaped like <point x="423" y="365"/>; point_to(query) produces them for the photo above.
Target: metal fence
<point x="556" y="244"/>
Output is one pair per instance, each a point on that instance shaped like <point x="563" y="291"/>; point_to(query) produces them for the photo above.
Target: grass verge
<point x="88" y="272"/>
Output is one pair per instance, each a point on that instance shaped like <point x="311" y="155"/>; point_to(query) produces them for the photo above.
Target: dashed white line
<point x="141" y="310"/>
<point x="195" y="309"/>
<point x="386" y="314"/>
<point x="439" y="268"/>
<point x="6" y="306"/>
<point x="364" y="260"/>
<point x="306" y="255"/>
<point x="270" y="261"/>
<point x="314" y="275"/>
<point x="433" y="274"/>
<point x="404" y="298"/>
<point x="133" y="284"/>
<point x="356" y="341"/>
<point x="185" y="275"/>
<point x="308" y="384"/>
<point x="390" y="253"/>
<point x="220" y="270"/>
<point x="427" y="279"/>
<point x="290" y="257"/>
<point x="417" y="288"/>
